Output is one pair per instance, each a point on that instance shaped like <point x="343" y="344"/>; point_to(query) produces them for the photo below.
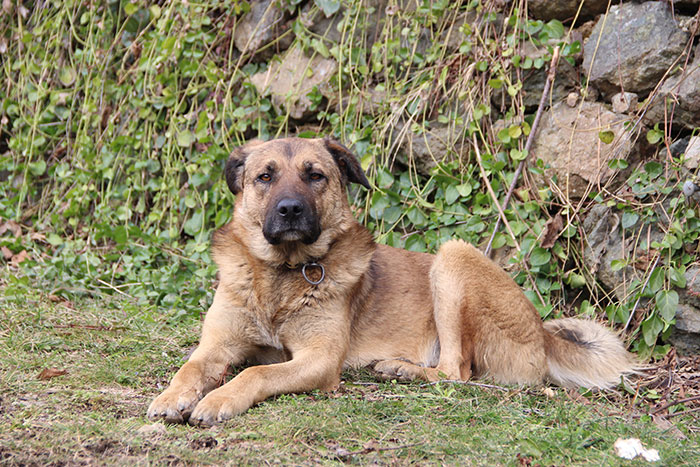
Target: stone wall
<point x="638" y="68"/>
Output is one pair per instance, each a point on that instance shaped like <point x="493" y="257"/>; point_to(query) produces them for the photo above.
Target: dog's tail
<point x="584" y="353"/>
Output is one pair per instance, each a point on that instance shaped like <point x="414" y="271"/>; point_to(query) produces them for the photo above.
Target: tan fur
<point x="410" y="315"/>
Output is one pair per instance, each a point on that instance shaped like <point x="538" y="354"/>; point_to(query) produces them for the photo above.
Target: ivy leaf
<point x="629" y="219"/>
<point x="130" y="8"/>
<point x="606" y="136"/>
<point x="667" y="304"/>
<point x="451" y="194"/>
<point x="329" y="7"/>
<point x="185" y="139"/>
<point x="194" y="224"/>
<point x="540" y="257"/>
<point x="651" y="328"/>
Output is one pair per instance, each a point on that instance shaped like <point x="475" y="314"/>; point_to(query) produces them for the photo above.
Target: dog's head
<point x="290" y="191"/>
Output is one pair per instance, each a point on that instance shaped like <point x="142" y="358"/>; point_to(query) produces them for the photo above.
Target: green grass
<point x="119" y="356"/>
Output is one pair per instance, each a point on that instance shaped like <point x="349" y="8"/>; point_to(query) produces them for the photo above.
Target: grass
<point x="119" y="356"/>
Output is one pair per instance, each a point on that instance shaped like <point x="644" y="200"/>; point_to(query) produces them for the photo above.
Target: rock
<point x="369" y="22"/>
<point x="691" y="294"/>
<point x="638" y="44"/>
<point x="290" y="80"/>
<point x="567" y="79"/>
<point x="691" y="161"/>
<point x="686" y="343"/>
<point x="260" y="26"/>
<point x="564" y="9"/>
<point x="155" y="429"/>
<point x="569" y="144"/>
<point x="623" y="102"/>
<point x="686" y="335"/>
<point x="426" y="149"/>
<point x="688" y="319"/>
<point x="604" y="244"/>
<point x="572" y="99"/>
<point x="679" y="96"/>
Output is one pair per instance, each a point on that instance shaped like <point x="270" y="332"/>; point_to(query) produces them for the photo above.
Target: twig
<point x="530" y="139"/>
<point x="115" y="288"/>
<point x="678" y="402"/>
<point x="683" y="412"/>
<point x="501" y="214"/>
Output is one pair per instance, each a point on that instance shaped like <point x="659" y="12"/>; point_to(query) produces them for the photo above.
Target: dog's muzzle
<point x="291" y="219"/>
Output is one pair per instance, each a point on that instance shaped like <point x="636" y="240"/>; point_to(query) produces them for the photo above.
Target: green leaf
<point x="656" y="281"/>
<point x="617" y="264"/>
<point x="616" y="164"/>
<point x="378" y="204"/>
<point x="67" y="76"/>
<point x="54" y="239"/>
<point x="130" y="8"/>
<point x="629" y="219"/>
<point x="185" y="139"/>
<point x="606" y="136"/>
<point x="555" y="29"/>
<point x="496" y="83"/>
<point x="392" y="214"/>
<point x="518" y="155"/>
<point x="194" y="224"/>
<point x="540" y="257"/>
<point x="667" y="304"/>
<point x="37" y="168"/>
<point x="515" y="132"/>
<point x="384" y="178"/>
<point x="677" y="276"/>
<point x="654" y="135"/>
<point x="651" y="328"/>
<point x="575" y="281"/>
<point x="465" y="189"/>
<point x="451" y="194"/>
<point x="155" y="11"/>
<point x="329" y="7"/>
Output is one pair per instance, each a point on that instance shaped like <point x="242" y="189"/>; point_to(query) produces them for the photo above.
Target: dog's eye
<point x="315" y="176"/>
<point x="264" y="177"/>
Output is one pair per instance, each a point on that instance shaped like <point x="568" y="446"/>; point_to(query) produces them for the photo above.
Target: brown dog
<point x="304" y="291"/>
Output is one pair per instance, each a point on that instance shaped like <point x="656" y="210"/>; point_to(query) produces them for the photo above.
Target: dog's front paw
<point x="217" y="407"/>
<point x="174" y="406"/>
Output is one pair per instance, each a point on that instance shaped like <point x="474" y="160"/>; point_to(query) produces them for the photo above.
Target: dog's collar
<point x="305" y="267"/>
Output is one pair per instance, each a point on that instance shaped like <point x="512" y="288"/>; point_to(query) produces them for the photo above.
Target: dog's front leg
<point x="315" y="366"/>
<point x="221" y="346"/>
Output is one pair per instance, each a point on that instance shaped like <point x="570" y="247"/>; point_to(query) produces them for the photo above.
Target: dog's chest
<point x="277" y="307"/>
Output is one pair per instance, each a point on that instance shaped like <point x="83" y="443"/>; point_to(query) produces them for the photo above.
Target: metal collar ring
<point x="313" y="264"/>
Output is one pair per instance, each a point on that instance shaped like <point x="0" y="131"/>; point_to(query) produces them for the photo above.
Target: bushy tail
<point x="584" y="353"/>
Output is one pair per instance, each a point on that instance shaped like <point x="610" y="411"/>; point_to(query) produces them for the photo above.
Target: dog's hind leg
<point x="404" y="370"/>
<point x="456" y="349"/>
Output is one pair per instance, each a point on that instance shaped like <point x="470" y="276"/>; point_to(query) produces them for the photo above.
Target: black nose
<point x="290" y="208"/>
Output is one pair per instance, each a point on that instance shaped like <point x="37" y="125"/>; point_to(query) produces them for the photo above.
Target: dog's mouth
<point x="277" y="237"/>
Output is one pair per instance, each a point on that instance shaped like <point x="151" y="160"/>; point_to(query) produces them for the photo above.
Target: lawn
<point x="117" y="356"/>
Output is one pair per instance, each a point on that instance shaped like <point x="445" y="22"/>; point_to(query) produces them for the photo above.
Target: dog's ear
<point x="235" y="164"/>
<point x="349" y="166"/>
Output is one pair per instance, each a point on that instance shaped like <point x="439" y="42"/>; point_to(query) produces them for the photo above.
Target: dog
<point x="305" y="291"/>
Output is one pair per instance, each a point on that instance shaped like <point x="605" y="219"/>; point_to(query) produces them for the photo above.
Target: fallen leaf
<point x="552" y="229"/>
<point x="38" y="237"/>
<point x="6" y="252"/>
<point x="17" y="259"/>
<point x="48" y="373"/>
<point x="12" y="226"/>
